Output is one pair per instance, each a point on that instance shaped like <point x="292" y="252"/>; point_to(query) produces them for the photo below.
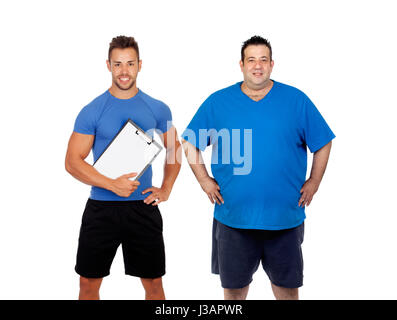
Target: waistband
<point x="116" y="203"/>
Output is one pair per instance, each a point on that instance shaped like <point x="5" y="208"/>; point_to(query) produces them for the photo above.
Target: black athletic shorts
<point x="137" y="226"/>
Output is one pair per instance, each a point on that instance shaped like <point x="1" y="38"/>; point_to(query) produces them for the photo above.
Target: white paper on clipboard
<point x="131" y="150"/>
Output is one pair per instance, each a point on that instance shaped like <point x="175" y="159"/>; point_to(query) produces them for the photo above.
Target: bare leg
<point x="153" y="289"/>
<point x="281" y="293"/>
<point x="89" y="288"/>
<point x="236" y="294"/>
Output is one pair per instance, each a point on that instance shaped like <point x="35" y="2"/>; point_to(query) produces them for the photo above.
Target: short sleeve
<point x="85" y="121"/>
<point x="316" y="132"/>
<point x="199" y="129"/>
<point x="163" y="117"/>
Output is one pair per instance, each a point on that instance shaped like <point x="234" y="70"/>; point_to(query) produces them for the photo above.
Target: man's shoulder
<point x="224" y="92"/>
<point x="227" y="90"/>
<point x="151" y="101"/>
<point x="289" y="89"/>
<point x="88" y="116"/>
<point x="98" y="102"/>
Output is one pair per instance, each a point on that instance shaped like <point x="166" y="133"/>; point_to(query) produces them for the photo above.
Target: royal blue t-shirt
<point x="259" y="154"/>
<point x="106" y="115"/>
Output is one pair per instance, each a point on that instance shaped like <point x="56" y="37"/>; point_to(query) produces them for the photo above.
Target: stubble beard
<point x="123" y="88"/>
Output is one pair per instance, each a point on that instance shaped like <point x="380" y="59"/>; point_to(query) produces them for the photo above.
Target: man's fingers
<point x="147" y="190"/>
<point x="216" y="199"/>
<point x="210" y="197"/>
<point x="305" y="199"/>
<point x="302" y="199"/>
<point x="130" y="175"/>
<point x="218" y="195"/>
<point x="149" y="199"/>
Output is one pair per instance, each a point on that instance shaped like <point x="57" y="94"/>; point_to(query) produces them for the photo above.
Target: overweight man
<point x="259" y="130"/>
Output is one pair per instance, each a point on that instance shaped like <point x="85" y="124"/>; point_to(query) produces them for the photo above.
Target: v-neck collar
<point x="265" y="98"/>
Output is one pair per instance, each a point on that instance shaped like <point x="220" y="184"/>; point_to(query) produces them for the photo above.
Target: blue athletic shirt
<point x="106" y="115"/>
<point x="278" y="127"/>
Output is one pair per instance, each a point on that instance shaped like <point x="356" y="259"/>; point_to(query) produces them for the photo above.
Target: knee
<point x="90" y="285"/>
<point x="281" y="293"/>
<point x="236" y="294"/>
<point x="153" y="285"/>
<point x="293" y="294"/>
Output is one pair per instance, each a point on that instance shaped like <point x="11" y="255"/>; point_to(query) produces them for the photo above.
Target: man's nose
<point x="124" y="68"/>
<point x="258" y="64"/>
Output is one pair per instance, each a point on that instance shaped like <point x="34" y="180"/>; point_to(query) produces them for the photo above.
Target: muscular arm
<point x="78" y="149"/>
<point x="196" y="163"/>
<point x="172" y="167"/>
<point x="320" y="160"/>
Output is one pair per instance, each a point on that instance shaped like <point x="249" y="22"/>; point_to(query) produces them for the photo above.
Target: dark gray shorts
<point x="236" y="254"/>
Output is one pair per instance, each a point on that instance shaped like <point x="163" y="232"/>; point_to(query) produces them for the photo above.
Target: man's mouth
<point x="257" y="74"/>
<point x="124" y="80"/>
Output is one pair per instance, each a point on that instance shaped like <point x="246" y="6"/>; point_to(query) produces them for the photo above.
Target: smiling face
<point x="257" y="66"/>
<point x="124" y="66"/>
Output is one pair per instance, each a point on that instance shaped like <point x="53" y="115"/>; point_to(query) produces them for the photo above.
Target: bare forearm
<point x="172" y="167"/>
<point x="320" y="160"/>
<point x="87" y="174"/>
<point x="195" y="160"/>
<point x="207" y="183"/>
<point x="200" y="171"/>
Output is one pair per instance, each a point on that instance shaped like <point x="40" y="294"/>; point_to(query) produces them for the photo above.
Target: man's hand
<point x="123" y="187"/>
<point x="208" y="184"/>
<point x="212" y="189"/>
<point x="308" y="190"/>
<point x="158" y="195"/>
<point x="310" y="187"/>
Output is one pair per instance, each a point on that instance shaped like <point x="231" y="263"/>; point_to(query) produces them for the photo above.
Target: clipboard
<point x="131" y="150"/>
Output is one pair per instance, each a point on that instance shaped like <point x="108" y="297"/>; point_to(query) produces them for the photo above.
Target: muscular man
<point x="121" y="211"/>
<point x="260" y="196"/>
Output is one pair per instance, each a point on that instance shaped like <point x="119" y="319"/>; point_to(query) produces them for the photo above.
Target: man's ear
<point x="241" y="65"/>
<point x="108" y="65"/>
<point x="139" y="65"/>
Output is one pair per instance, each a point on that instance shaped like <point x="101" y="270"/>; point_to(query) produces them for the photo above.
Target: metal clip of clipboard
<point x="144" y="136"/>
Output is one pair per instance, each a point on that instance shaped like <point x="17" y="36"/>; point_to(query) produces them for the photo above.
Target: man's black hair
<point x="255" y="40"/>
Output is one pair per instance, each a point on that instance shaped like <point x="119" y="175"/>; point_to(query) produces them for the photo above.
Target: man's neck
<point x="257" y="94"/>
<point x="123" y="94"/>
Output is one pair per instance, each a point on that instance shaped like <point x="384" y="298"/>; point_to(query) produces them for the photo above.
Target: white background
<point x="342" y="54"/>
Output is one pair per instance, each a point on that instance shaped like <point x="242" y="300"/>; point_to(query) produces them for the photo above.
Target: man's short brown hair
<point x="123" y="42"/>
